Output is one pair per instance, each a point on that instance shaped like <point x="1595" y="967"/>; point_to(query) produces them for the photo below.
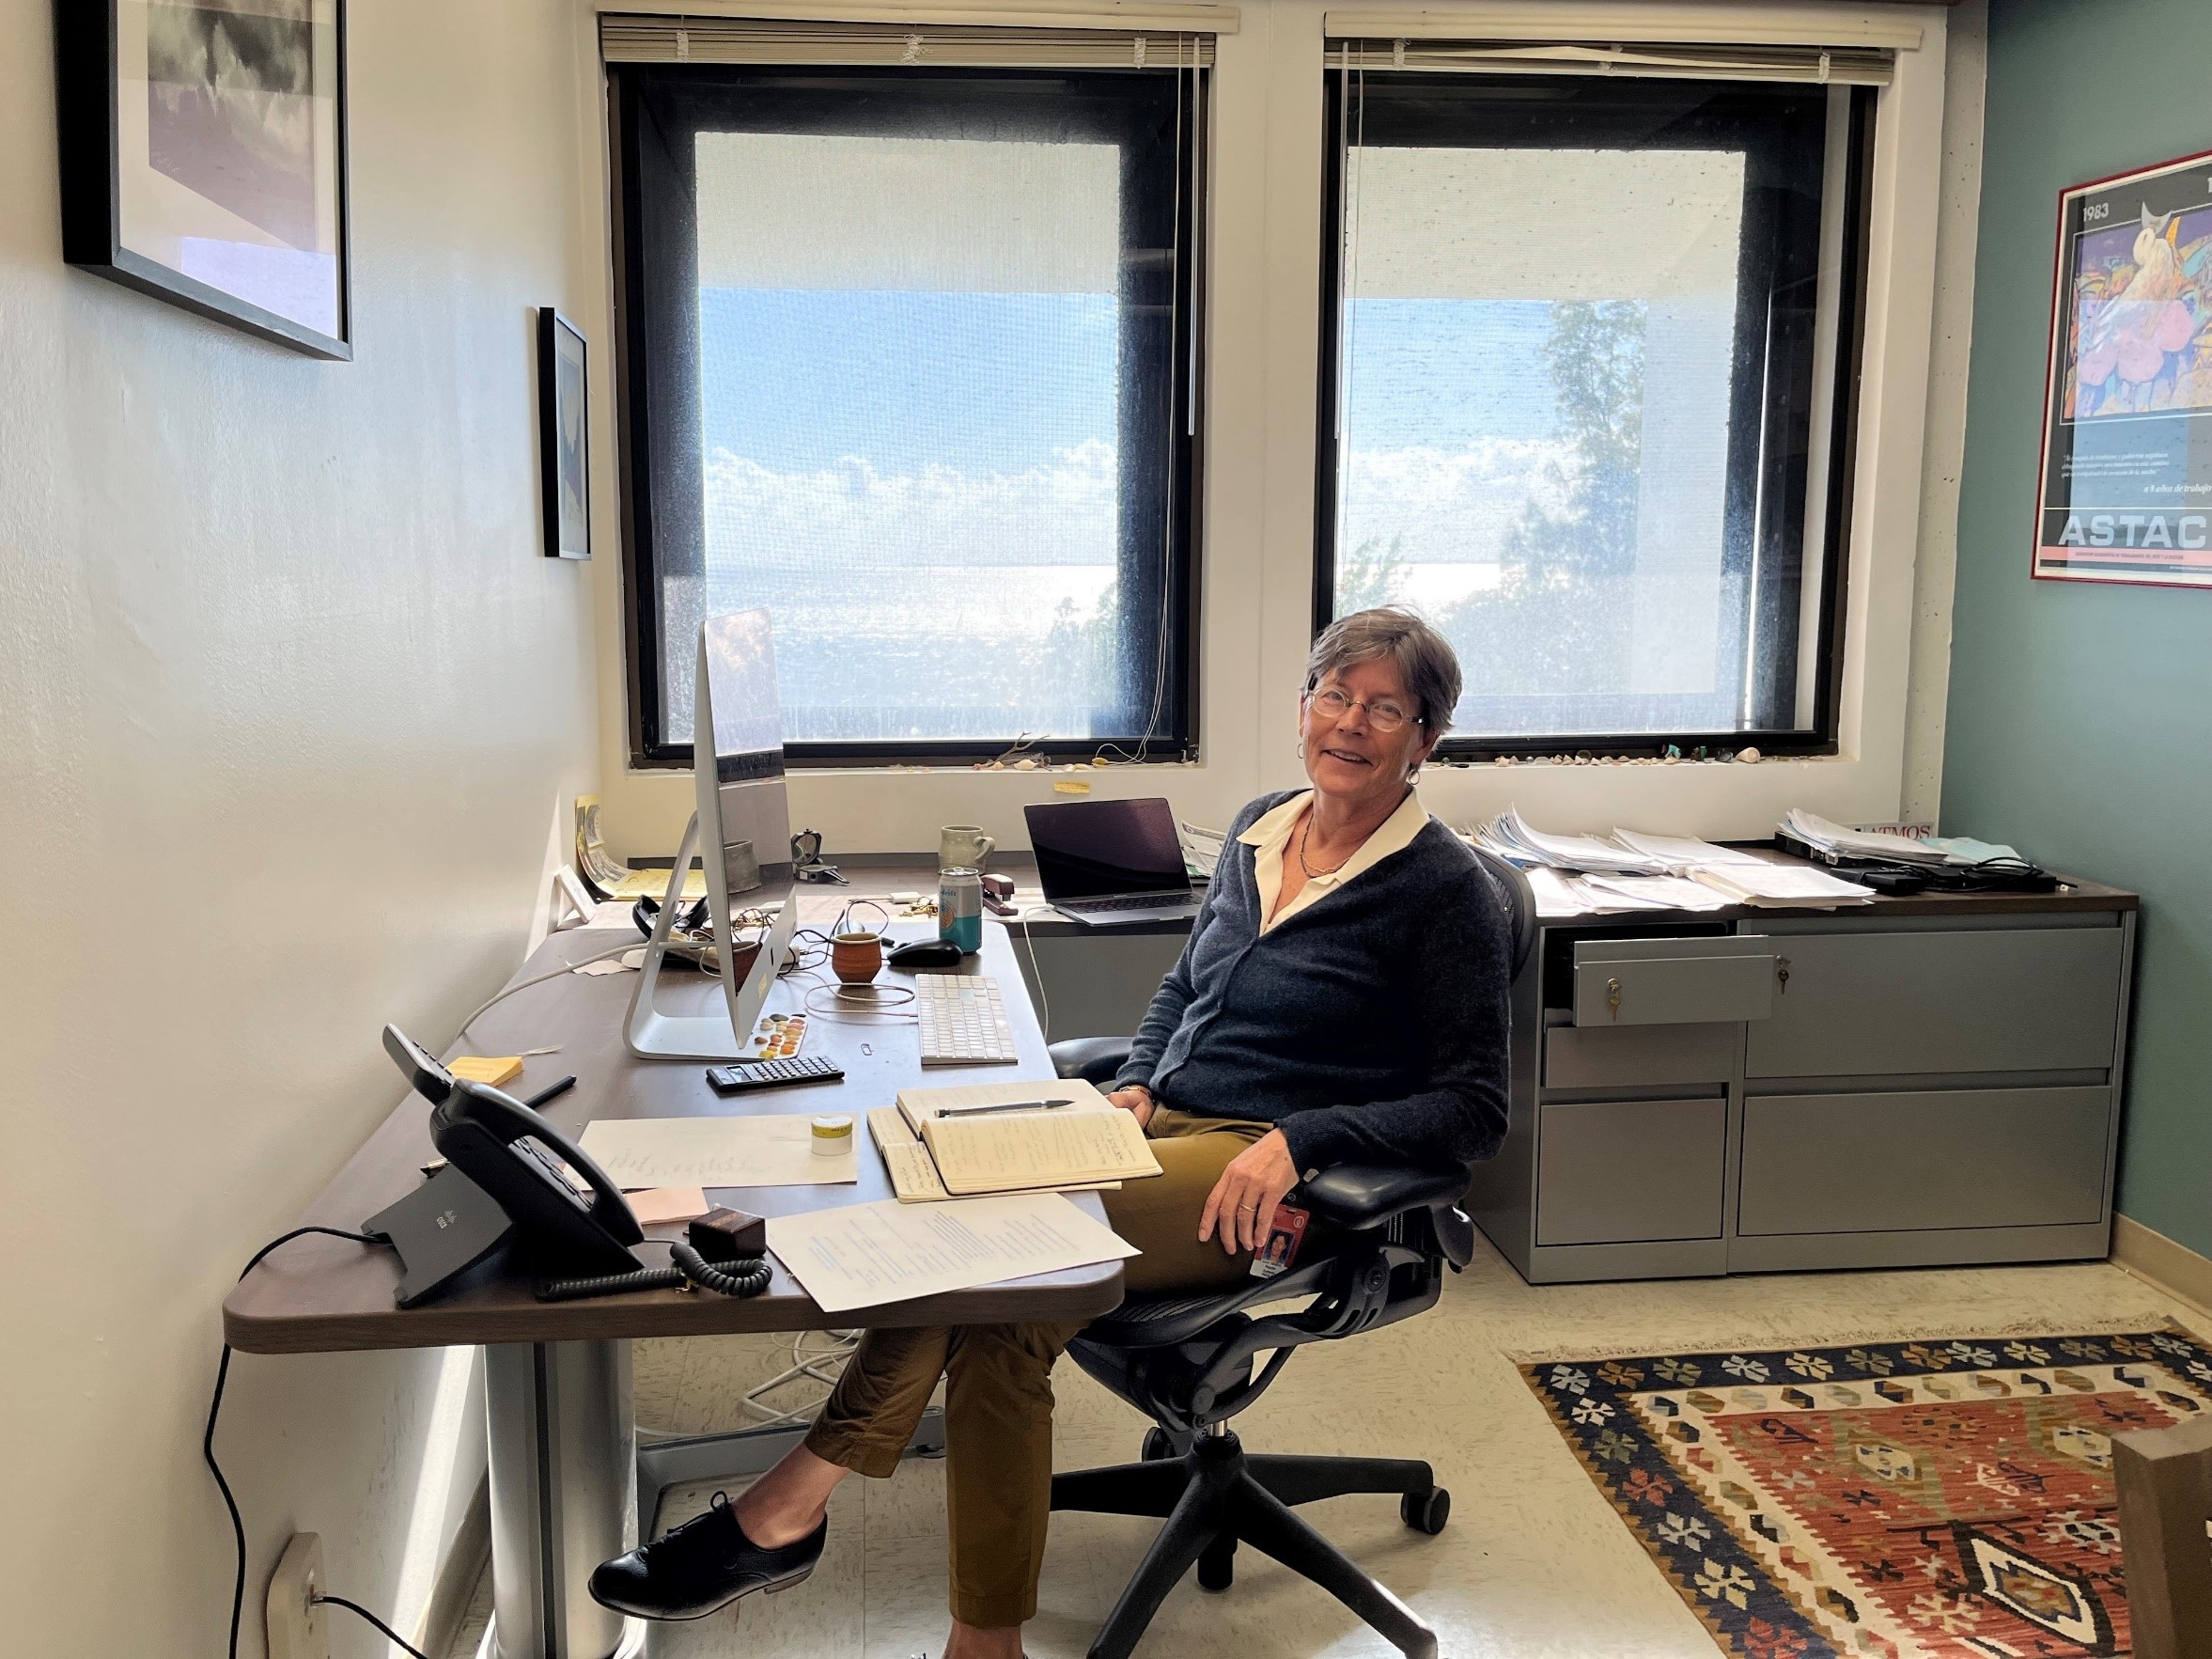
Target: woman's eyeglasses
<point x="1386" y="715"/>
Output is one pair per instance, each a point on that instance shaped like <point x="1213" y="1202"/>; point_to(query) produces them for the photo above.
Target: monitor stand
<point x="654" y="1035"/>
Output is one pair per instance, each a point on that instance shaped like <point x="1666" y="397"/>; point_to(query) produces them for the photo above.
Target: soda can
<point x="959" y="908"/>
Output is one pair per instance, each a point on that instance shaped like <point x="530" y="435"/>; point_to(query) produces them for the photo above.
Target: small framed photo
<point x="2126" y="493"/>
<point x="563" y="449"/>
<point x="203" y="157"/>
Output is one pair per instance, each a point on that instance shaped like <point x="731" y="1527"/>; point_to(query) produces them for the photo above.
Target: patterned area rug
<point x="1913" y="1500"/>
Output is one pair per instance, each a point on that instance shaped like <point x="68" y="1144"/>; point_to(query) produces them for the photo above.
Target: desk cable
<point x="238" y="1525"/>
<point x="539" y="980"/>
<point x="1036" y="974"/>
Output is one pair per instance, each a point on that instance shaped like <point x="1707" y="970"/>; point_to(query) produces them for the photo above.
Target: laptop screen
<point x="1097" y="849"/>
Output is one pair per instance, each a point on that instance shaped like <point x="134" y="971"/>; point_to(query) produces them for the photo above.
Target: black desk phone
<point x="503" y="1180"/>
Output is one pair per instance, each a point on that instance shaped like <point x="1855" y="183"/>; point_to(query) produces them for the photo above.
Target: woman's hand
<point x="1243" y="1202"/>
<point x="1136" y="1099"/>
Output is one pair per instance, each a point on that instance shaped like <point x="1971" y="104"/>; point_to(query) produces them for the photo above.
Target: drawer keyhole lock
<point x="1781" y="974"/>
<point x="1612" y="996"/>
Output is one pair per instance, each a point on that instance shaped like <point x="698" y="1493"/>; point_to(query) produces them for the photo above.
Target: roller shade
<point x="1165" y="37"/>
<point x="1841" y="66"/>
<point x="1831" y="27"/>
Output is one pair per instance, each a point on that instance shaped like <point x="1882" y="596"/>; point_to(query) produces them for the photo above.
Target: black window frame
<point x="648" y="283"/>
<point x="1822" y="734"/>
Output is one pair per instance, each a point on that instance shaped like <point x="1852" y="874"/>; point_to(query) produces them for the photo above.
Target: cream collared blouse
<point x="1270" y="835"/>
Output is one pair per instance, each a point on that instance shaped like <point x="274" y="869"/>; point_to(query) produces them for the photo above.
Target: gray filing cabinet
<point x="1922" y="1081"/>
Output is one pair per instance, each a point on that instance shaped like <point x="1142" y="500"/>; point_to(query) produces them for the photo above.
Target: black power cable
<point x="238" y="1525"/>
<point x="396" y="1639"/>
<point x="744" y="1275"/>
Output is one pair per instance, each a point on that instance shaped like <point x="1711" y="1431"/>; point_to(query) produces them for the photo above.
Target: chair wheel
<point x="1217" y="1565"/>
<point x="1426" y="1511"/>
<point x="1159" y="1446"/>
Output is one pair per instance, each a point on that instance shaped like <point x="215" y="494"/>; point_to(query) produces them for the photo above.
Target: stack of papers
<point x="866" y="1255"/>
<point x="1818" y="833"/>
<point x="1511" y="836"/>
<point x="1684" y="853"/>
<point x="1783" y="886"/>
<point x="1632" y="870"/>
<point x="1837" y="841"/>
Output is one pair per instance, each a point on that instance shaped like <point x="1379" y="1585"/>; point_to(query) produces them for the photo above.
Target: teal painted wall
<point x="2080" y="714"/>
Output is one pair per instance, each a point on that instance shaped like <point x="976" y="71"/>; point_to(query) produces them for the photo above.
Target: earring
<point x="1301" y="748"/>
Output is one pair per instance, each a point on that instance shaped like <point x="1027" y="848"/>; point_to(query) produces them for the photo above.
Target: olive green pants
<point x="998" y="1385"/>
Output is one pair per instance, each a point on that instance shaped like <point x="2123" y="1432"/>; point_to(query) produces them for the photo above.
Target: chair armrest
<point x="1095" y="1059"/>
<point x="1357" y="1195"/>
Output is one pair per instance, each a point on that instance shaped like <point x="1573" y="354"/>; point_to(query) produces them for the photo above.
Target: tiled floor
<point x="1533" y="1566"/>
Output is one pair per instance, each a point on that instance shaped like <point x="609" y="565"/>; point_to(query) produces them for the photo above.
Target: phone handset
<point x="510" y="1152"/>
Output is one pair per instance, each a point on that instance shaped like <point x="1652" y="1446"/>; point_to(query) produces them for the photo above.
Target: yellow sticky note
<point x="1071" y="786"/>
<point x="488" y="1070"/>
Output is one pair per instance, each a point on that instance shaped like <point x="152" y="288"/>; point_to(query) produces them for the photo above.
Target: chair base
<point x="1214" y="1498"/>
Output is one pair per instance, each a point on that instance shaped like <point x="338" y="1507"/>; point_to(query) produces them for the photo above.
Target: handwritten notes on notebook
<point x="938" y="1145"/>
<point x="865" y="1255"/>
<point x="1029" y="1150"/>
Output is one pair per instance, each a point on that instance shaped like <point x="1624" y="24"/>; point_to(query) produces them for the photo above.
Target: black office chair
<point x="1187" y="1363"/>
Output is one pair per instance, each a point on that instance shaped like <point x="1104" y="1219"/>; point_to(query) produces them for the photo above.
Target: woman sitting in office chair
<point x="1342" y="1000"/>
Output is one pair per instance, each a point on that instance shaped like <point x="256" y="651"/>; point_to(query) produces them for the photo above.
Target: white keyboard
<point x="964" y="1021"/>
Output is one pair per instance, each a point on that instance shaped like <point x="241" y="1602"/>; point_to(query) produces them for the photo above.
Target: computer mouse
<point x="926" y="953"/>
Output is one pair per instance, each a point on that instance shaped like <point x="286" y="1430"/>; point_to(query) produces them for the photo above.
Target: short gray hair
<point x="1423" y="657"/>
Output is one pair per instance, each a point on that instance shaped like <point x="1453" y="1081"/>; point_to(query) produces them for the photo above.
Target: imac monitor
<point x="741" y="833"/>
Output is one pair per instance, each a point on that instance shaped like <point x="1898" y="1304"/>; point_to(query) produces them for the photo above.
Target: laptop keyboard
<point x="1134" y="902"/>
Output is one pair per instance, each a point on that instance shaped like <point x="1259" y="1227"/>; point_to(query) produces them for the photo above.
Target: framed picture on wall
<point x="2125" y="492"/>
<point x="564" y="452"/>
<point x="203" y="157"/>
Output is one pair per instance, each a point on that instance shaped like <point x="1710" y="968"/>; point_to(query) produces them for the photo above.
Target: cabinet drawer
<point x="1639" y="1056"/>
<point x="1943" y="1158"/>
<point x="2004" y="1000"/>
<point x="1673" y="981"/>
<point x="1620" y="1171"/>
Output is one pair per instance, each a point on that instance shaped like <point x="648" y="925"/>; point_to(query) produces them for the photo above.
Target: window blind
<point x="1839" y="66"/>
<point x="1164" y="38"/>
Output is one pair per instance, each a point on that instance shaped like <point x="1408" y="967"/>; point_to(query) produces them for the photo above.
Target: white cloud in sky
<point x="1449" y="506"/>
<point x="853" y="519"/>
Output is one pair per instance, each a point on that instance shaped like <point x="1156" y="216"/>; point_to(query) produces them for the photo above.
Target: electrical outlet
<point x="294" y="1616"/>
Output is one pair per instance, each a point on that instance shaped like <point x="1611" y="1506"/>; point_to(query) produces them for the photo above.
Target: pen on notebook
<point x="1007" y="1106"/>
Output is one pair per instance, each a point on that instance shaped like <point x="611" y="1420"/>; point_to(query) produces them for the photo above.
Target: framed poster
<point x="203" y="157"/>
<point x="2125" y="493"/>
<point x="564" y="454"/>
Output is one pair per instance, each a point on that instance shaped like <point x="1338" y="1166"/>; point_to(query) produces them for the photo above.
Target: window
<point x="908" y="360"/>
<point x="1581" y="403"/>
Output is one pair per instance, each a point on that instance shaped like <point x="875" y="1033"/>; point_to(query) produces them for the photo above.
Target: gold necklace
<point x="1305" y="827"/>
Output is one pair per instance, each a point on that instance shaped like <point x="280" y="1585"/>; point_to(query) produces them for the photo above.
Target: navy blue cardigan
<point x="1370" y="1026"/>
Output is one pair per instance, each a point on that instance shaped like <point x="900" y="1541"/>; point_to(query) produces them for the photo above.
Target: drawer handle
<point x="1612" y="996"/>
<point x="1781" y="974"/>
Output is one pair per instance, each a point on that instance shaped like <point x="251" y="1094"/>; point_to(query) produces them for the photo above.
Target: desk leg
<point x="563" y="1456"/>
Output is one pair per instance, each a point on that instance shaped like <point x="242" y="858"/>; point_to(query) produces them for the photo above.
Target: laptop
<point x="1103" y="862"/>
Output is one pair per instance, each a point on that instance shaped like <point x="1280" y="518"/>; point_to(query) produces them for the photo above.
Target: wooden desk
<point x="563" y="1446"/>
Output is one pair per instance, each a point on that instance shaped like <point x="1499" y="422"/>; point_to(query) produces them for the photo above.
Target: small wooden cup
<point x="856" y="958"/>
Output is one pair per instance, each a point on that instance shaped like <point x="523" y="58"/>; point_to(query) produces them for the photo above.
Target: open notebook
<point x="933" y="1152"/>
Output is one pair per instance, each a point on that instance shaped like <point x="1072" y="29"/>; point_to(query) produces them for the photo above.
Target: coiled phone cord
<point x="747" y="1276"/>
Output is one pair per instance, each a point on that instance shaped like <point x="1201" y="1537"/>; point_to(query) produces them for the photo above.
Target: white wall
<point x="288" y="698"/>
<point x="1258" y="533"/>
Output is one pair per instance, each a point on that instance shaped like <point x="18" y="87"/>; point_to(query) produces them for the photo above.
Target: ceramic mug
<point x="963" y="846"/>
<point x="856" y="958"/>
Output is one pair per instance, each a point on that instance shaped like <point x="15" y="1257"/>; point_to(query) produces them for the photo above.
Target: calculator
<point x="772" y="1074"/>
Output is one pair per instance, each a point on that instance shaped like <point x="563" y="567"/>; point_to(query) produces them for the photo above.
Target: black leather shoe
<point x="702" y="1567"/>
